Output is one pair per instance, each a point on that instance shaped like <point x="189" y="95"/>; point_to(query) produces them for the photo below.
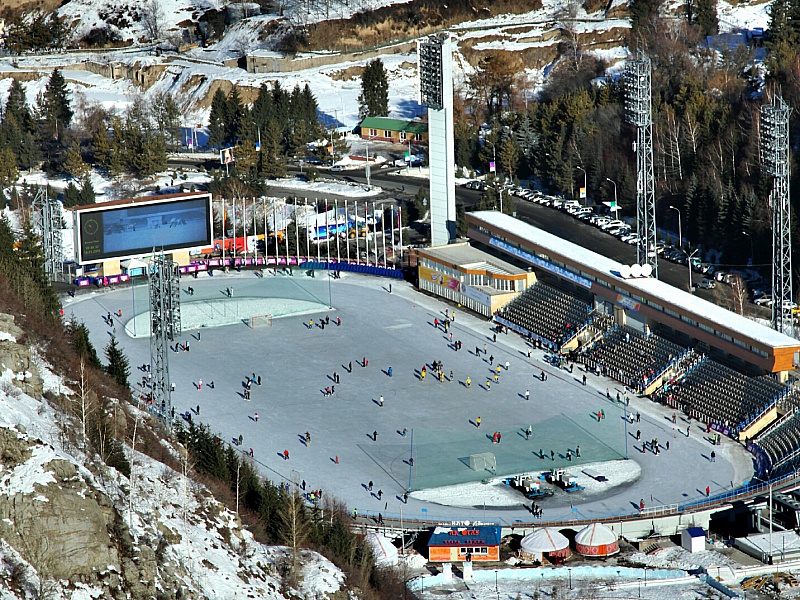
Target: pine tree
<point x="374" y="98"/>
<point x="234" y="116"/>
<point x="87" y="194"/>
<point x="71" y="195"/>
<point x="74" y="164"/>
<point x="706" y="16"/>
<point x="217" y="127"/>
<point x="118" y="367"/>
<point x="54" y="106"/>
<point x="17" y="106"/>
<point x="8" y="168"/>
<point x="79" y="335"/>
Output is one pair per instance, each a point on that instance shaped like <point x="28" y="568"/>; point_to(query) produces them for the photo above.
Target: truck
<point x="343" y="229"/>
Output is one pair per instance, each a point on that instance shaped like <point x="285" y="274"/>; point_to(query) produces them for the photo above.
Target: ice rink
<point x="297" y="362"/>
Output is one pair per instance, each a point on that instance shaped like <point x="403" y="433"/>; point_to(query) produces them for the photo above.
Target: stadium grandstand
<point x="716" y="366"/>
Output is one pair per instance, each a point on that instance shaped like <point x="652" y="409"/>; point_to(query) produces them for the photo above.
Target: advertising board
<point x="135" y="227"/>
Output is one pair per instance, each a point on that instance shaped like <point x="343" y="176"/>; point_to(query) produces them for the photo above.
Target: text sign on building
<point x="477" y="295"/>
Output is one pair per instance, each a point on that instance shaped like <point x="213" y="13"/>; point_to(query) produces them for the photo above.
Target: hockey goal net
<point x="484" y="461"/>
<point x="260" y="321"/>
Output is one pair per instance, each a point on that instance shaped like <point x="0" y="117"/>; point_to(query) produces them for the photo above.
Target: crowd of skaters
<point x="437" y="370"/>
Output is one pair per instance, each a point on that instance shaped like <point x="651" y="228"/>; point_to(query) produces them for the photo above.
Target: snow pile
<point x="678" y="558"/>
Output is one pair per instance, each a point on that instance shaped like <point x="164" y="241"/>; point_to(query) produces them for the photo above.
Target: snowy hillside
<point x="172" y="523"/>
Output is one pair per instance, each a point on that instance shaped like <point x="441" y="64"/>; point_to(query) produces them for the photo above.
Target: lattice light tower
<point x="47" y="219"/>
<point x="774" y="147"/>
<point x="436" y="92"/>
<point x="639" y="113"/>
<point x="165" y="327"/>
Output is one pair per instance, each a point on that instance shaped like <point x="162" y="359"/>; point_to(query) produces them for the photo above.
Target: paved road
<point x="397" y="330"/>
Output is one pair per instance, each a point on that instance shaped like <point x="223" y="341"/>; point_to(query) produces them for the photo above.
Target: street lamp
<point x="750" y="237"/>
<point x="585" y="187"/>
<point x="496" y="589"/>
<point x="689" y="265"/>
<point x="680" y="231"/>
<point x="616" y="209"/>
<point x="570" y="577"/>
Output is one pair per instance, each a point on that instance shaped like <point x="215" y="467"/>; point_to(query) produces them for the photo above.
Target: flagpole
<point x="327" y="233"/>
<point x="255" y="235"/>
<point x="383" y="236"/>
<point x="366" y="222"/>
<point x="223" y="231"/>
<point x="347" y="225"/>
<point x="266" y="233"/>
<point x="392" y="227"/>
<point x="275" y="233"/>
<point x="308" y="242"/>
<point x="316" y="230"/>
<point x="286" y="232"/>
<point x="400" y="229"/>
<point x="358" y="230"/>
<point x="338" y="255"/>
<point x="296" y="234"/>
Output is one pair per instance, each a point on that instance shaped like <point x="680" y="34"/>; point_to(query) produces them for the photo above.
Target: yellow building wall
<point x="111" y="267"/>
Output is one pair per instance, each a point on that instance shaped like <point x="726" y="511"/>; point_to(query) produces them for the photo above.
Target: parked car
<point x="611" y="224"/>
<point x="707" y="284"/>
<point x="765" y="300"/>
<point x="337" y="168"/>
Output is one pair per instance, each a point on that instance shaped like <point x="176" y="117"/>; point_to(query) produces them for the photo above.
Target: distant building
<point x="393" y="130"/>
<point x="476" y="543"/>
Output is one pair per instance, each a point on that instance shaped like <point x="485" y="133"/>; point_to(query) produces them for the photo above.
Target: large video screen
<point x="137" y="228"/>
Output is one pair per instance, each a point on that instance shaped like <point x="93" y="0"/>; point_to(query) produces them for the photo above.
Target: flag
<point x="492" y="168"/>
<point x="583" y="193"/>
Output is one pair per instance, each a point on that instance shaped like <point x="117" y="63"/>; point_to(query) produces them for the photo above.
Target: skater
<point x="641" y="504"/>
<point x="638" y="417"/>
<point x="388" y="371"/>
<point x="338" y="321"/>
<point x="308" y="439"/>
<point x="251" y="453"/>
<point x="667" y="445"/>
<point x="584" y="379"/>
<point x="374" y="436"/>
<point x="200" y="385"/>
<point x="708" y="491"/>
<point x="528" y="432"/>
<point x="506" y="365"/>
<point x="569" y="455"/>
<point x="484" y="349"/>
<point x="350" y="367"/>
<point x="451" y="375"/>
<point x="380" y="493"/>
<point x="468" y="382"/>
<point x="543" y="376"/>
<point x="638" y="434"/>
<point x="713" y="457"/>
<point x="529" y="352"/>
<point x="491" y="359"/>
<point x="578" y="451"/>
<point x="478" y="422"/>
<point x="380" y="402"/>
<point x="241" y="439"/>
<point x="527" y="394"/>
<point x="552" y="455"/>
<point x="285" y="455"/>
<point x="405" y="497"/>
<point x="198" y="409"/>
<point x="211" y="384"/>
<point x="364" y="362"/>
<point x="255" y="416"/>
<point x="603" y="414"/>
<point x="369" y="485"/>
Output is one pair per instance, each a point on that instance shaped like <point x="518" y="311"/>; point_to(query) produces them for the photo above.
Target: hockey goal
<point x="260" y="321"/>
<point x="484" y="461"/>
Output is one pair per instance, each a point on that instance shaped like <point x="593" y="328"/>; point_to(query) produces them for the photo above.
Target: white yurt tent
<point x="596" y="540"/>
<point x="544" y="543"/>
<point x="384" y="551"/>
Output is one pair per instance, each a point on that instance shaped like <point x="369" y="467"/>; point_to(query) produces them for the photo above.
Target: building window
<point x="387" y="134"/>
<point x="403" y="135"/>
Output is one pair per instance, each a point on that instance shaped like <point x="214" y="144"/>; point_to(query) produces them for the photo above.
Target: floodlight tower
<point x="774" y="149"/>
<point x="47" y="216"/>
<point x="436" y="92"/>
<point x="165" y="327"/>
<point x="639" y="113"/>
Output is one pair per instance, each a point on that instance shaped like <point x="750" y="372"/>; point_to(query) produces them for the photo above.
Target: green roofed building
<point x="393" y="130"/>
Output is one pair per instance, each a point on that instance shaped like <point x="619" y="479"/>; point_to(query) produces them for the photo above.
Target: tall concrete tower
<point x="436" y="92"/>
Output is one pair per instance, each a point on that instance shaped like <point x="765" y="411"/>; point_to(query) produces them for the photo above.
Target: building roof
<point x="476" y="535"/>
<point x="595" y="534"/>
<point x="464" y="256"/>
<point x="544" y="540"/>
<point x="695" y="532"/>
<point x="388" y="124"/>
<point x="652" y="287"/>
